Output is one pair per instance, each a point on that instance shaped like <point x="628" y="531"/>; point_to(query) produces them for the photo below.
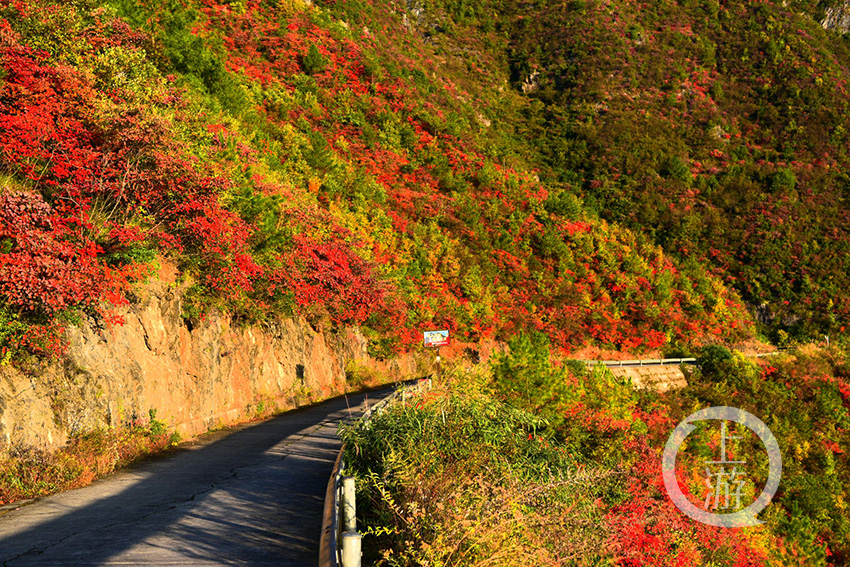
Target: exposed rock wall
<point x="194" y="378"/>
<point x="659" y="377"/>
<point x="837" y="18"/>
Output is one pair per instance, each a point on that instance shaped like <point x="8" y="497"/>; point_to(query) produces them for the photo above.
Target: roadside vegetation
<point x="29" y="473"/>
<point x="536" y="463"/>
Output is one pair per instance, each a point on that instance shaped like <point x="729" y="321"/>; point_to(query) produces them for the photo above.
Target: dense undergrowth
<point x="538" y="464"/>
<point x="29" y="473"/>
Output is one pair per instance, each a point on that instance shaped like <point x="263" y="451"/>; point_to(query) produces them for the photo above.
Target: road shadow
<point x="251" y="497"/>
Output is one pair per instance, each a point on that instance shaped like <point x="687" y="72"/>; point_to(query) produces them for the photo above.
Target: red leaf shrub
<point x="44" y="270"/>
<point x="331" y="275"/>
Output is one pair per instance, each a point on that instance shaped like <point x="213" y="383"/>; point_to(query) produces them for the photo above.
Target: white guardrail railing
<point x="661" y="361"/>
<point x="647" y="362"/>
<point x="339" y="543"/>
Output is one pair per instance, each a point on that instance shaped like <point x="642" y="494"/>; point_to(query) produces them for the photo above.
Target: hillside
<point x="450" y="166"/>
<point x="726" y="132"/>
<point x="717" y="129"/>
<point x="290" y="162"/>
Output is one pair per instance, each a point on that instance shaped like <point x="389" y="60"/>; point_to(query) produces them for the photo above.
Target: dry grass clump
<point x="466" y="481"/>
<point x="28" y="473"/>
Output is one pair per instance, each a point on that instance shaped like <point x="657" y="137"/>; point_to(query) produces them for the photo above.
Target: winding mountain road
<point x="246" y="496"/>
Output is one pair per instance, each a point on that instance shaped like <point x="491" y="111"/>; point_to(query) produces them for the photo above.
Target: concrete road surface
<point x="249" y="496"/>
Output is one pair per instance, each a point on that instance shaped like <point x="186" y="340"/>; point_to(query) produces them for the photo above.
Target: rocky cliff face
<point x="837" y="18"/>
<point x="658" y="378"/>
<point x="194" y="378"/>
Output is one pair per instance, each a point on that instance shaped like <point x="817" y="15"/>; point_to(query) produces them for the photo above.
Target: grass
<point x="458" y="478"/>
<point x="27" y="473"/>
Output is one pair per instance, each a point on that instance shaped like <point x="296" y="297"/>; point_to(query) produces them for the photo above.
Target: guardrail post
<point x="351" y="549"/>
<point x="349" y="505"/>
<point x="341" y="544"/>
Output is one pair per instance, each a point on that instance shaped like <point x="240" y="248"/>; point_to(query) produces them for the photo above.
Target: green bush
<point x="313" y="62"/>
<point x="525" y="375"/>
<point x="712" y="356"/>
<point x="466" y="476"/>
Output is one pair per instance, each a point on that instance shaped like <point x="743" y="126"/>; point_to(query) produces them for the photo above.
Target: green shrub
<point x="464" y="476"/>
<point x="313" y="62"/>
<point x="712" y="356"/>
<point x="526" y="377"/>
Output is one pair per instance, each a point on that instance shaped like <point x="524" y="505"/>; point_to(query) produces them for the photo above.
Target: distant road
<point x="664" y="361"/>
<point x="648" y="362"/>
<point x="250" y="496"/>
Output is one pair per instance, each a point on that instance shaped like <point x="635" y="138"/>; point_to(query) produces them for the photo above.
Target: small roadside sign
<point x="435" y="338"/>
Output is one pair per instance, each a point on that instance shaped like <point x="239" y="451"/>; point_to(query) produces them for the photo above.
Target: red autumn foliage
<point x="329" y="274"/>
<point x="45" y="270"/>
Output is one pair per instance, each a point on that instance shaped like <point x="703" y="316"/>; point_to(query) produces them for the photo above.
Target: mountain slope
<point x="291" y="162"/>
<point x="718" y="129"/>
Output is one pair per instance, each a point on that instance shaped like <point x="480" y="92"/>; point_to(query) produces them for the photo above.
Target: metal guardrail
<point x="661" y="361"/>
<point x="647" y="362"/>
<point x="339" y="543"/>
<point x="329" y="538"/>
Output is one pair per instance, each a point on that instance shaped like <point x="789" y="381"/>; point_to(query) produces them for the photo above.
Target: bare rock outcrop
<point x="837" y="18"/>
<point x="194" y="377"/>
